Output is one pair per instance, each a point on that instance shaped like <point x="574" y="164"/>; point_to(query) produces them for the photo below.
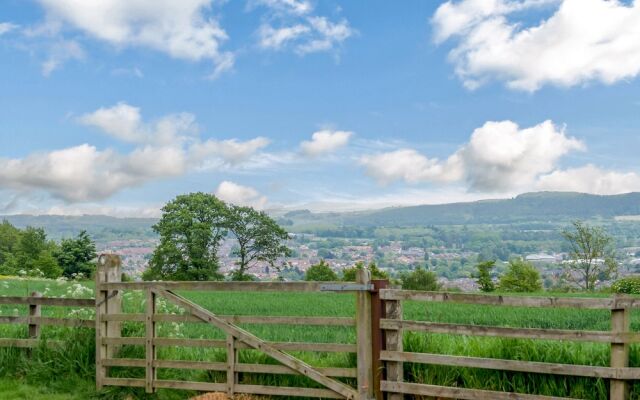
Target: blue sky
<point x="117" y="106"/>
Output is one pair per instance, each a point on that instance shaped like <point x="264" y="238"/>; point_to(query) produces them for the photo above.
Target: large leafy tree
<point x="419" y="279"/>
<point x="520" y="276"/>
<point x="591" y="253"/>
<point x="258" y="236"/>
<point x="191" y="229"/>
<point x="74" y="256"/>
<point x="320" y="272"/>
<point x="483" y="277"/>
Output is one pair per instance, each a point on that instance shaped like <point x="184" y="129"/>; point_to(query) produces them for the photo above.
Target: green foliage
<point x="629" y="285"/>
<point x="258" y="236"/>
<point x="419" y="279"/>
<point x="191" y="228"/>
<point x="591" y="253"/>
<point x="75" y="255"/>
<point x="520" y="276"/>
<point x="483" y="278"/>
<point x="320" y="272"/>
<point x="349" y="274"/>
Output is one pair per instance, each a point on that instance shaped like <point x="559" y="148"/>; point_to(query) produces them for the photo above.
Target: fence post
<point x="377" y="334"/>
<point x="394" y="369"/>
<point x="232" y="359"/>
<point x="620" y="324"/>
<point x="150" y="348"/>
<point x="35" y="311"/>
<point x="107" y="270"/>
<point x="364" y="340"/>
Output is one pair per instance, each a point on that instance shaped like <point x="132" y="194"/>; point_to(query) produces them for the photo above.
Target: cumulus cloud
<point x="499" y="156"/>
<point x="181" y="29"/>
<point x="168" y="147"/>
<point x="6" y="27"/>
<point x="582" y="41"/>
<point x="590" y="179"/>
<point x="60" y="52"/>
<point x="324" y="142"/>
<point x="296" y="25"/>
<point x="240" y="195"/>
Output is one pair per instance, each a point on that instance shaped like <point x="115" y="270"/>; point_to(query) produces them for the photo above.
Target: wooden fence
<point x="379" y="325"/>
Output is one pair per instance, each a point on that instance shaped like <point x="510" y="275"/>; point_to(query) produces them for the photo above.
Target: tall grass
<point x="76" y="362"/>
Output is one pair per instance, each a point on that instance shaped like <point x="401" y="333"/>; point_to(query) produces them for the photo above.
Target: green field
<point x="75" y="363"/>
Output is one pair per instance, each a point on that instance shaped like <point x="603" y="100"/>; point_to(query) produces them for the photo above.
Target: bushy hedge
<point x="629" y="285"/>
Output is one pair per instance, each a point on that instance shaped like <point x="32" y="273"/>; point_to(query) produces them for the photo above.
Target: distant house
<point x="541" y="258"/>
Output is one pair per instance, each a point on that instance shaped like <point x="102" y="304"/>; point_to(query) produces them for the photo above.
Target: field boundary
<point x="378" y="322"/>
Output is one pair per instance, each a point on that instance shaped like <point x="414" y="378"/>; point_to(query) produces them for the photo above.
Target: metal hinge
<point x="346" y="287"/>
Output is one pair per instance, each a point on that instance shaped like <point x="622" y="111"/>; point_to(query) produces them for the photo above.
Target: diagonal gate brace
<point x="253" y="341"/>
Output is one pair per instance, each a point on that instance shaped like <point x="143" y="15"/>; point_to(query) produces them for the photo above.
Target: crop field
<point x="55" y="368"/>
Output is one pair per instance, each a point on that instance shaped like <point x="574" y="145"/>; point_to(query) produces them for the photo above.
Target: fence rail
<point x="379" y="325"/>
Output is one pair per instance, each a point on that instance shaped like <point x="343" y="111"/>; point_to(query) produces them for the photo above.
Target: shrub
<point x="630" y="285"/>
<point x="320" y="272"/>
<point x="349" y="274"/>
<point x="419" y="279"/>
<point x="521" y="276"/>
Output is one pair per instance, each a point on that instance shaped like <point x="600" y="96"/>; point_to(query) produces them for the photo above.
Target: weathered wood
<point x="183" y="364"/>
<point x="47" y="301"/>
<point x="72" y="322"/>
<point x="150" y="334"/>
<point x="506" y="365"/>
<point x="232" y="360"/>
<point x="517" y="333"/>
<point x="620" y="324"/>
<point x="394" y="370"/>
<point x="108" y="269"/>
<point x="25" y="343"/>
<point x="282" y="370"/>
<point x="188" y="385"/>
<point x="125" y="362"/>
<point x="219" y="286"/>
<point x="257" y="343"/>
<point x="377" y="335"/>
<point x="123" y="341"/>
<point x="364" y="337"/>
<point x="238" y="319"/>
<point x="215" y="343"/>
<point x="459" y="393"/>
<point x="128" y="382"/>
<point x="514" y="301"/>
<point x="301" y="346"/>
<point x="287" y="391"/>
<point x="35" y="311"/>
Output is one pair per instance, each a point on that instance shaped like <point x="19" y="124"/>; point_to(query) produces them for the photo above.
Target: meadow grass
<point x="77" y="360"/>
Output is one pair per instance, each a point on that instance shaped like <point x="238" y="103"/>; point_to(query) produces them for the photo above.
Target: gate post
<point x="364" y="339"/>
<point x="377" y="334"/>
<point x="108" y="269"/>
<point x="35" y="311"/>
<point x="620" y="324"/>
<point x="394" y="369"/>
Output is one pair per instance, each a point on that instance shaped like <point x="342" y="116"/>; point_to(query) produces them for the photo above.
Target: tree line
<point x="28" y="252"/>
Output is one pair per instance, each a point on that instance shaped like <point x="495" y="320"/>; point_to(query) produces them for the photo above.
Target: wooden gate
<point x="109" y="318"/>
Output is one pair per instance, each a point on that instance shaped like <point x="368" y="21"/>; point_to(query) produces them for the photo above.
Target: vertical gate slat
<point x="620" y="323"/>
<point x="364" y="339"/>
<point x="150" y="349"/>
<point x="394" y="369"/>
<point x="232" y="359"/>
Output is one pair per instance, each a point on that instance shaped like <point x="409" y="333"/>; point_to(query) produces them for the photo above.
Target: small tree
<point x="483" y="278"/>
<point x="591" y="254"/>
<point x="259" y="238"/>
<point x="75" y="255"/>
<point x="520" y="276"/>
<point x="320" y="272"/>
<point x="419" y="279"/>
<point x="349" y="274"/>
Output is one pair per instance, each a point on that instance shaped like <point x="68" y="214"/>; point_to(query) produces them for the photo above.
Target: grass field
<point x="77" y="360"/>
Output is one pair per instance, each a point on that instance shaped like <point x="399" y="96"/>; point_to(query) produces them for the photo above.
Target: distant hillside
<point x="528" y="207"/>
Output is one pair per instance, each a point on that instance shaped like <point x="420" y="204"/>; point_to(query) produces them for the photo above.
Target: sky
<point x="117" y="106"/>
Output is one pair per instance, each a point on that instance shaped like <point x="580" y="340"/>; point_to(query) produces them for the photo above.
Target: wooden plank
<point x="219" y="286"/>
<point x="459" y="393"/>
<point x="14" y="320"/>
<point x="47" y="301"/>
<point x="303" y="346"/>
<point x="215" y="343"/>
<point x="377" y="335"/>
<point x="394" y="369"/>
<point x="250" y="339"/>
<point x="183" y="364"/>
<point x="128" y="382"/>
<point x="287" y="391"/>
<point x="364" y="338"/>
<point x="130" y="317"/>
<point x="122" y="341"/>
<point x="250" y="319"/>
<point x="125" y="362"/>
<point x="518" y="333"/>
<point x="150" y="334"/>
<point x="107" y="270"/>
<point x="25" y="343"/>
<point x="35" y="310"/>
<point x="505" y="365"/>
<point x="189" y="385"/>
<point x="620" y="323"/>
<point x="514" y="301"/>
<point x="232" y="360"/>
<point x="282" y="370"/>
<point x="72" y="322"/>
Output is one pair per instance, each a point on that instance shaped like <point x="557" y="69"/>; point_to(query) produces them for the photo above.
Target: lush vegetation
<point x="72" y="370"/>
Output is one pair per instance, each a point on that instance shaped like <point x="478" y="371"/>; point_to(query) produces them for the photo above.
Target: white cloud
<point x="324" y="142"/>
<point x="168" y="147"/>
<point x="60" y="52"/>
<point x="181" y="29"/>
<point x="240" y="195"/>
<point x="498" y="157"/>
<point x="582" y="41"/>
<point x="307" y="33"/>
<point x="590" y="179"/>
<point x="6" y="27"/>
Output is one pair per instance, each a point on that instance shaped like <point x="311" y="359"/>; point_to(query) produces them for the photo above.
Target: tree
<point x="74" y="256"/>
<point x="483" y="278"/>
<point x="259" y="238"/>
<point x="320" y="272"/>
<point x="520" y="276"/>
<point x="591" y="254"/>
<point x="191" y="229"/>
<point x="349" y="274"/>
<point x="419" y="279"/>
